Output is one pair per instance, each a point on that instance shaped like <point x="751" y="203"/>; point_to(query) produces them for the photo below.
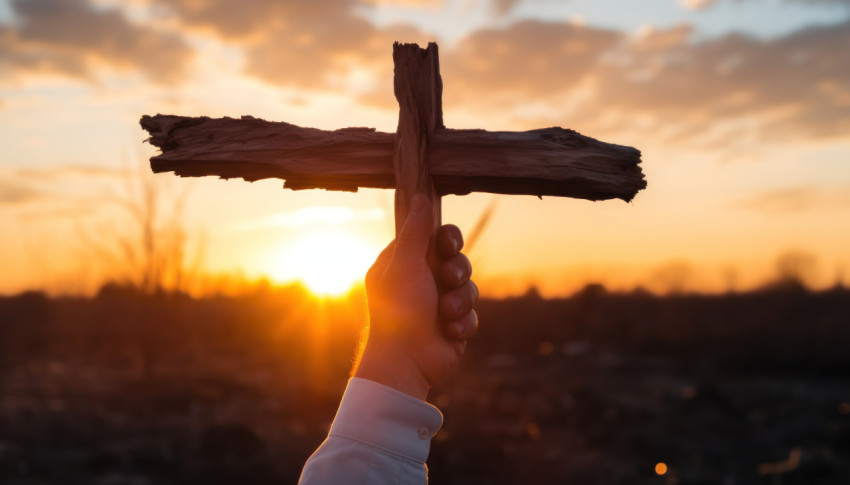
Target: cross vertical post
<point x="418" y="89"/>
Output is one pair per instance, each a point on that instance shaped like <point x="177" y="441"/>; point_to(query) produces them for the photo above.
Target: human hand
<point x="417" y="332"/>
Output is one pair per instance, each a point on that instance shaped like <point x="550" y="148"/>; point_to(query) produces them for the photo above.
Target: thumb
<point x="412" y="242"/>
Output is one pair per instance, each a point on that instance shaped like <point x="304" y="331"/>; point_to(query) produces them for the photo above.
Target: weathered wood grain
<point x="419" y="91"/>
<point x="255" y="149"/>
<point x="551" y="161"/>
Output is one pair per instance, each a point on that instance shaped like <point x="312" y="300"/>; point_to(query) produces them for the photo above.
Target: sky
<point x="741" y="109"/>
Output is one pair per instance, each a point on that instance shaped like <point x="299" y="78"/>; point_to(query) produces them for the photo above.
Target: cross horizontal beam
<point x="550" y="161"/>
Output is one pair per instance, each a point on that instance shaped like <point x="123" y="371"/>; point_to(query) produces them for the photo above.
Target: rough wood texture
<point x="548" y="161"/>
<point x="419" y="91"/>
<point x="551" y="161"/>
<point x="255" y="149"/>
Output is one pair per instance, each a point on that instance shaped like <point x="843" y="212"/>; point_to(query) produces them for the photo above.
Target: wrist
<point x="393" y="368"/>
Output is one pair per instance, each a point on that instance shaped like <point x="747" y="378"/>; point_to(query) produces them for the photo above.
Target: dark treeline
<point x="131" y="388"/>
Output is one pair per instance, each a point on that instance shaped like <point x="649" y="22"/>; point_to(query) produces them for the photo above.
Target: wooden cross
<point x="422" y="157"/>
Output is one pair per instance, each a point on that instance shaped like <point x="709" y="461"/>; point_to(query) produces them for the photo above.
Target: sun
<point x="328" y="262"/>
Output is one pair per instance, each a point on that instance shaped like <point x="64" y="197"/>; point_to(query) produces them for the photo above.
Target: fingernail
<point x="458" y="274"/>
<point x="458" y="329"/>
<point x="455" y="245"/>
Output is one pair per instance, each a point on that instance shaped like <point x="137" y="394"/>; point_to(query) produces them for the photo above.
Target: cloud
<point x="821" y="2"/>
<point x="75" y="38"/>
<point x="797" y="199"/>
<point x="317" y="44"/>
<point x="328" y="54"/>
<point x="816" y="2"/>
<point x="705" y="4"/>
<point x="69" y="210"/>
<point x="529" y="59"/>
<point x="21" y="186"/>
<point x="69" y="170"/>
<point x="231" y="19"/>
<point x="312" y="215"/>
<point x="15" y="194"/>
<point x="712" y="93"/>
<point x="771" y="85"/>
<point x="697" y="4"/>
<point x="502" y="7"/>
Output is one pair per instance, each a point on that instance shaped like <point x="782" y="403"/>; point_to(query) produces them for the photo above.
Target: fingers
<point x="463" y="328"/>
<point x="449" y="241"/>
<point x="459" y="301"/>
<point x="456" y="305"/>
<point x="454" y="271"/>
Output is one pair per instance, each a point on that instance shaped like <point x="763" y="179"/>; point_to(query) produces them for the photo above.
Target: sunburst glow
<point x="328" y="262"/>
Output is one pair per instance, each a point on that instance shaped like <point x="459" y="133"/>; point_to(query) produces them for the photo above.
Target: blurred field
<point x="129" y="388"/>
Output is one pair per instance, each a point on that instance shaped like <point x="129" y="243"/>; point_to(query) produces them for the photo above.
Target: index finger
<point x="449" y="241"/>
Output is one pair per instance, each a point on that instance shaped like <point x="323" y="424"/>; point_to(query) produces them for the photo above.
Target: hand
<point x="418" y="333"/>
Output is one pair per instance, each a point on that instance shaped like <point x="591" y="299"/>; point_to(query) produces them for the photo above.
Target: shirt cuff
<point x="387" y="419"/>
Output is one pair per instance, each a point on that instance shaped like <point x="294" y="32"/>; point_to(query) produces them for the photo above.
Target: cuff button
<point x="424" y="433"/>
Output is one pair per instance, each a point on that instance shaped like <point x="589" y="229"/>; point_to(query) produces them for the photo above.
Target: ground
<point x="595" y="389"/>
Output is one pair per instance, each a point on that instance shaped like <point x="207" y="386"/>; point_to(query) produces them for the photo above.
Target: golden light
<point x="328" y="262"/>
<point x="661" y="468"/>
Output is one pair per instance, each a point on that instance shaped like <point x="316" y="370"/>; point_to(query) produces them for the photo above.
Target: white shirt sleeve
<point x="379" y="436"/>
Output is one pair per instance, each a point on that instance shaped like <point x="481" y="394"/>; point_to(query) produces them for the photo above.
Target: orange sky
<point x="741" y="110"/>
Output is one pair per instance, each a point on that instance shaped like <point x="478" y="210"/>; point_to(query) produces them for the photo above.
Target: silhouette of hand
<point x="417" y="332"/>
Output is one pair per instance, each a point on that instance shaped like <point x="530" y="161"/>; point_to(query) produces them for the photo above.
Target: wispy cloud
<point x="14" y="193"/>
<point x="662" y="82"/>
<point x="312" y="215"/>
<point x="19" y="186"/>
<point x="68" y="210"/>
<point x="704" y="4"/>
<point x="69" y="170"/>
<point x="76" y="38"/>
<point x="697" y="4"/>
<point x="798" y="199"/>
<point x="325" y="41"/>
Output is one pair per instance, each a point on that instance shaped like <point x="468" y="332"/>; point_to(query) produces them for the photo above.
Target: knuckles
<point x="449" y="240"/>
<point x="463" y="328"/>
<point x="455" y="271"/>
<point x="458" y="302"/>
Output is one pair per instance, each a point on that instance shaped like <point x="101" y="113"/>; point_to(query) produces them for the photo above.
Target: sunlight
<point x="328" y="262"/>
